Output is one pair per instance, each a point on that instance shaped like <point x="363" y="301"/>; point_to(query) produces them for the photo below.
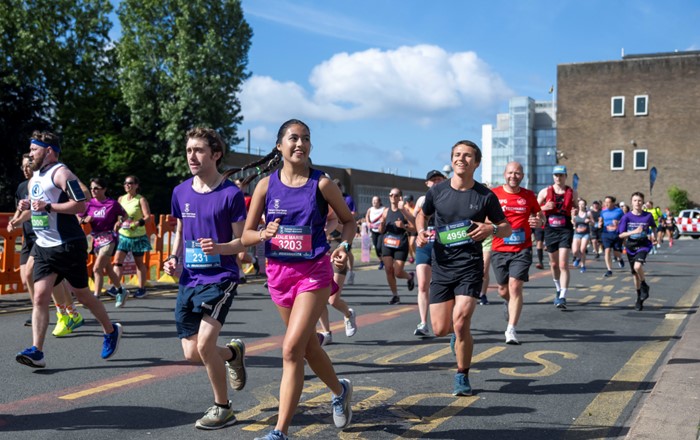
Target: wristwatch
<point x="47" y="208"/>
<point x="495" y="229"/>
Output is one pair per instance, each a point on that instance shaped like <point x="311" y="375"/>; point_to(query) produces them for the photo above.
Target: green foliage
<point x="181" y="65"/>
<point x="679" y="199"/>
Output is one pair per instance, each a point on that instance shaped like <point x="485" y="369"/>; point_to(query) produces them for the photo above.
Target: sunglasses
<point x="394" y="195"/>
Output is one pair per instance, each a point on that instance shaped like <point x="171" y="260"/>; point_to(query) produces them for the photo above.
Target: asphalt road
<point x="579" y="373"/>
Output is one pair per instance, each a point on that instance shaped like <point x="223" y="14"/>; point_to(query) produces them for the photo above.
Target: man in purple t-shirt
<point x="210" y="212"/>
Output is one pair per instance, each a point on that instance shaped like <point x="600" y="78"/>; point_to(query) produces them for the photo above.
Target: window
<point x="640" y="159"/>
<point x="617" y="160"/>
<point x="641" y="105"/>
<point x="617" y="106"/>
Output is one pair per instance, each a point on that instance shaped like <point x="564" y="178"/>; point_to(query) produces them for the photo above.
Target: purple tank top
<point x="301" y="235"/>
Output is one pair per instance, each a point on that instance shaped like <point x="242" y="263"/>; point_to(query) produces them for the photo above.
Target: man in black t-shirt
<point x="460" y="207"/>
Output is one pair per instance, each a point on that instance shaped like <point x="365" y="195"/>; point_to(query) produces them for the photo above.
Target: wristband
<point x="345" y="245"/>
<point x="261" y="236"/>
<point x="173" y="256"/>
<point x="141" y="222"/>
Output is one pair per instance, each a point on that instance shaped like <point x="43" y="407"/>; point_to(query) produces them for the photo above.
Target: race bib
<point x="517" y="237"/>
<point x="195" y="258"/>
<point x="291" y="241"/>
<point x="556" y="221"/>
<point x="581" y="229"/>
<point x="102" y="239"/>
<point x="431" y="234"/>
<point x="455" y="234"/>
<point x="40" y="221"/>
<point x="392" y="241"/>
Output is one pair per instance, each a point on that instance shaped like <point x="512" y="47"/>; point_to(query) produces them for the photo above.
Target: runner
<point x="102" y="213"/>
<point x="410" y="204"/>
<point x="460" y="206"/>
<point x="512" y="256"/>
<point x="396" y="223"/>
<point x="60" y="251"/>
<point x="582" y="221"/>
<point x="612" y="243"/>
<point x="295" y="200"/>
<point x="539" y="245"/>
<point x="210" y="211"/>
<point x="634" y="226"/>
<point x="594" y="211"/>
<point x="424" y="259"/>
<point x="669" y="222"/>
<point x="132" y="236"/>
<point x="557" y="202"/>
<point x="373" y="217"/>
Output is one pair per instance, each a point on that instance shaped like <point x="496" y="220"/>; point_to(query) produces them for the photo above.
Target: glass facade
<point x="527" y="134"/>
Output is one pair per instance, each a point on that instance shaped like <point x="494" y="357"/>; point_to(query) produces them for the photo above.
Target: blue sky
<point x="392" y="85"/>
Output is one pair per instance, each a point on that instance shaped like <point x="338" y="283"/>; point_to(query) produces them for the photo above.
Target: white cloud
<point x="417" y="82"/>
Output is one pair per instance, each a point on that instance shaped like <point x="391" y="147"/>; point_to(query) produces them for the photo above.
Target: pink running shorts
<point x="286" y="280"/>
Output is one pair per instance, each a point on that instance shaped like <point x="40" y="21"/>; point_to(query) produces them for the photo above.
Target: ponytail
<point x="269" y="163"/>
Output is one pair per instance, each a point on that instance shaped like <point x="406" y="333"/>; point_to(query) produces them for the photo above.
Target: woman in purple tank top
<point x="295" y="202"/>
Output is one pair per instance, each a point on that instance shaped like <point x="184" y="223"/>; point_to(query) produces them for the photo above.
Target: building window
<point x="617" y="106"/>
<point x="640" y="159"/>
<point x="617" y="160"/>
<point x="641" y="105"/>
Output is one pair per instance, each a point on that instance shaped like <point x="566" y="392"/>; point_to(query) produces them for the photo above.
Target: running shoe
<point x="556" y="298"/>
<point x="28" y="322"/>
<point x="506" y="312"/>
<point x="576" y="262"/>
<point x="61" y="328"/>
<point x="265" y="284"/>
<point x="608" y="273"/>
<point x="421" y="330"/>
<point x="483" y="300"/>
<point x="639" y="305"/>
<point x="350" y="324"/>
<point x="670" y="244"/>
<point x="342" y="411"/>
<point x="583" y="269"/>
<point x="539" y="266"/>
<point x="140" y="293"/>
<point x="411" y="283"/>
<point x="453" y="341"/>
<point x="112" y="291"/>
<point x="561" y="303"/>
<point x="381" y="265"/>
<point x="31" y="357"/>
<point x="256" y="265"/>
<point x="111" y="341"/>
<point x="645" y="291"/>
<point x="237" y="376"/>
<point x="325" y="338"/>
<point x="217" y="418"/>
<point x="273" y="435"/>
<point x="75" y="321"/>
<point x="122" y="295"/>
<point x="350" y="279"/>
<point x="242" y="280"/>
<point x="597" y="256"/>
<point x="620" y="263"/>
<point x="395" y="300"/>
<point x="512" y="337"/>
<point x="462" y="386"/>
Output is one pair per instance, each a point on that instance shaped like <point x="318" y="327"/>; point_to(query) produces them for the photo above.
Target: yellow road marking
<point x="107" y="387"/>
<point x="607" y="406"/>
<point x="260" y="346"/>
<point x="398" y="311"/>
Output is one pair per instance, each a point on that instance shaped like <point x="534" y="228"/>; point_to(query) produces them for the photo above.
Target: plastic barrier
<point x="10" y="280"/>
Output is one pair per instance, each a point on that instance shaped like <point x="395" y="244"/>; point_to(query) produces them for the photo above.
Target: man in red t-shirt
<point x="512" y="256"/>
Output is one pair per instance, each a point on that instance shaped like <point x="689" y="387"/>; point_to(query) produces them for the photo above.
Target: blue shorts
<point x="424" y="255"/>
<point x="193" y="302"/>
<point x="611" y="240"/>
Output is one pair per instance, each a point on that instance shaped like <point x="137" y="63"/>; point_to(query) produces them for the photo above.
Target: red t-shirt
<point x="517" y="208"/>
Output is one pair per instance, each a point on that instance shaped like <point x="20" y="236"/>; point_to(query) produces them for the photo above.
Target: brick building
<point x="618" y="119"/>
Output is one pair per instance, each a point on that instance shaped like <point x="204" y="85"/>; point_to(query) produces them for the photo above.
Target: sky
<point x="390" y="86"/>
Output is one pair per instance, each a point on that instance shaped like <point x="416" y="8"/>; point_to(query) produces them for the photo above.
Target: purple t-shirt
<point x="104" y="214"/>
<point x="207" y="215"/>
<point x="637" y="242"/>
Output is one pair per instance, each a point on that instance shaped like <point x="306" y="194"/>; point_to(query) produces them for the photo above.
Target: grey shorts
<point x="511" y="265"/>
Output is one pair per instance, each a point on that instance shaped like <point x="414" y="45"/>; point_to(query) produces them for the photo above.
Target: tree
<point x="679" y="199"/>
<point x="182" y="63"/>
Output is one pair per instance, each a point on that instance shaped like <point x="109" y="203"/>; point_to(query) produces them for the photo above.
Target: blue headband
<point x="55" y="148"/>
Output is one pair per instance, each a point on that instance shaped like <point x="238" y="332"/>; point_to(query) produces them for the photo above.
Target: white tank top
<point x="375" y="218"/>
<point x="52" y="229"/>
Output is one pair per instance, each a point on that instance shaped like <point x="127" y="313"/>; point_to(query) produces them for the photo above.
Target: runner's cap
<point x="559" y="169"/>
<point x="434" y="173"/>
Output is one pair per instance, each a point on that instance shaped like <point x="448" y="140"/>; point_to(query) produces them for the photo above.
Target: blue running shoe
<point x="583" y="269"/>
<point x="111" y="341"/>
<point x="112" y="291"/>
<point x="462" y="386"/>
<point x="608" y="273"/>
<point x="140" y="293"/>
<point x="273" y="435"/>
<point x="576" y="262"/>
<point x="561" y="303"/>
<point x="556" y="298"/>
<point x="31" y="357"/>
<point x="621" y="263"/>
<point x="342" y="410"/>
<point x="453" y="340"/>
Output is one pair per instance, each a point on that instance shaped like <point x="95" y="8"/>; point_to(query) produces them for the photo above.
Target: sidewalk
<point x="672" y="410"/>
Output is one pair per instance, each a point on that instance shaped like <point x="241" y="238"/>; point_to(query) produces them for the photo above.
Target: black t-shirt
<point x="390" y="227"/>
<point x="21" y="194"/>
<point x="453" y="210"/>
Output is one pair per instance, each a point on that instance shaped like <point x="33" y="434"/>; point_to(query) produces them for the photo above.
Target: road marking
<point x="107" y="387"/>
<point x="427" y="424"/>
<point x="259" y="346"/>
<point x="549" y="368"/>
<point x="398" y="311"/>
<point x="605" y="409"/>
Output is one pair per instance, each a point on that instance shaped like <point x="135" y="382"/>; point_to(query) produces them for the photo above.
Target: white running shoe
<point x="511" y="337"/>
<point x="350" y="324"/>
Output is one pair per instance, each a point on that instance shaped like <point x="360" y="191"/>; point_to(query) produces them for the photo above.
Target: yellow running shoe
<point x="62" y="328"/>
<point x="75" y="321"/>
